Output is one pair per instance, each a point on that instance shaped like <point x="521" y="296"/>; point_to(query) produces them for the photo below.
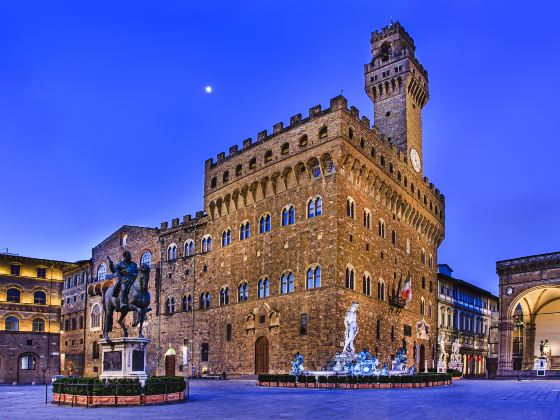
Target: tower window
<point x="323" y="132"/>
<point x="285" y="149"/>
<point x="225" y="177"/>
<point x="268" y="156"/>
<point x="238" y="169"/>
<point x="213" y="182"/>
<point x="388" y="114"/>
<point x="350" y="133"/>
<point x="253" y="163"/>
<point x="303" y="141"/>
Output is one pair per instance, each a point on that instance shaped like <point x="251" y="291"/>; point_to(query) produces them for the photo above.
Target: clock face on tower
<point x="415" y="159"/>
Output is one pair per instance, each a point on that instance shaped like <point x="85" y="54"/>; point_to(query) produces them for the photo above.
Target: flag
<point x="407" y="290"/>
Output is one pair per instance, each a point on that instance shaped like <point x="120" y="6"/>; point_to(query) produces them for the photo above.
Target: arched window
<point x="264" y="288"/>
<point x="172" y="252"/>
<point x="287" y="283"/>
<point x="252" y="163"/>
<point x="264" y="223"/>
<point x="315" y="170"/>
<point x="189" y="248"/>
<point x="350" y="207"/>
<point x="170" y="306"/>
<point x="13" y="295"/>
<point x="27" y="362"/>
<point x="186" y="304"/>
<point x="268" y="156"/>
<point x="205" y="300"/>
<point x="38" y="325"/>
<point x="314" y="277"/>
<point x="430" y="309"/>
<point x="303" y="141"/>
<point x="323" y="132"/>
<point x="422" y="306"/>
<point x="12" y="323"/>
<point x="366" y="285"/>
<point x="349" y="277"/>
<point x="226" y="237"/>
<point x="245" y="231"/>
<point x="314" y="207"/>
<point x="224" y="296"/>
<point x="288" y="216"/>
<point x="40" y="297"/>
<point x="146" y="259"/>
<point x="243" y="292"/>
<point x="225" y="176"/>
<point x="381" y="228"/>
<point x="394" y="237"/>
<point x="380" y="289"/>
<point x="285" y="149"/>
<point x="101" y="272"/>
<point x="423" y="256"/>
<point x="206" y="243"/>
<point x="238" y="170"/>
<point x="213" y="182"/>
<point x="95" y="319"/>
<point x="367" y="218"/>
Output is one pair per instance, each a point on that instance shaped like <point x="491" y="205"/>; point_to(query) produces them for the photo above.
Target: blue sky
<point x="104" y="101"/>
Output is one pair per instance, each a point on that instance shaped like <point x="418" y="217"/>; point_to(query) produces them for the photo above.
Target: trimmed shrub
<point x="164" y="384"/>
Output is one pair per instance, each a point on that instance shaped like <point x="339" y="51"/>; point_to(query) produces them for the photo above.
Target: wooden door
<point x="422" y="358"/>
<point x="261" y="355"/>
<point x="170" y="365"/>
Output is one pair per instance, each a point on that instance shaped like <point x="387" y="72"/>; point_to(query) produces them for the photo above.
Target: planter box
<point x="406" y="385"/>
<point x="82" y="400"/>
<point x="331" y="385"/>
<point x="128" y="400"/>
<point x="385" y="386"/>
<point x="174" y="396"/>
<point x="153" y="399"/>
<point x="364" y="386"/>
<point x="103" y="400"/>
<point x="290" y="385"/>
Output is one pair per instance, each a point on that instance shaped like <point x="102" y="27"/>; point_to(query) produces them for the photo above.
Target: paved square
<point x="235" y="399"/>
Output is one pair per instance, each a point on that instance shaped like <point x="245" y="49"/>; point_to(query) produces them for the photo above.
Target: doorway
<point x="261" y="355"/>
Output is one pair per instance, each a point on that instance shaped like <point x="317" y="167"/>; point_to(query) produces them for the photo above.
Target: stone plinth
<point x="124" y="357"/>
<point x="441" y="368"/>
<point x="456" y="366"/>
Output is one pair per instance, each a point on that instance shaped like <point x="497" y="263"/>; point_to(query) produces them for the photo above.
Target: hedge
<point x="343" y="379"/>
<point x="119" y="386"/>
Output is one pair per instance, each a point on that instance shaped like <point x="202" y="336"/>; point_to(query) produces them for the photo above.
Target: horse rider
<point x="126" y="271"/>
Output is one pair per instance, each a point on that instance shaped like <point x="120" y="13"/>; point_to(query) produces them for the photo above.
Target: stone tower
<point x="398" y="86"/>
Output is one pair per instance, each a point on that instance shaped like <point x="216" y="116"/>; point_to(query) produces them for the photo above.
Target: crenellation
<point x="366" y="122"/>
<point x="187" y="218"/>
<point x="314" y="111"/>
<point x="175" y="222"/>
<point x="355" y="112"/>
<point x="233" y="149"/>
<point x="295" y="120"/>
<point x="221" y="156"/>
<point x="277" y="128"/>
<point x="339" y="102"/>
<point x="262" y="135"/>
<point x="247" y="143"/>
<point x="164" y="225"/>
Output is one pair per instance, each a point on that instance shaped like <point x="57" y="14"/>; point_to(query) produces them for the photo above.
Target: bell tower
<point x="397" y="84"/>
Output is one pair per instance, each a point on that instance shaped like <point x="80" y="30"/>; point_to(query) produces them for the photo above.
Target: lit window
<point x="42" y="272"/>
<point x="189" y="248"/>
<point x="288" y="216"/>
<point x="224" y="296"/>
<point x="15" y="269"/>
<point x="314" y="207"/>
<point x="207" y="243"/>
<point x="27" y="362"/>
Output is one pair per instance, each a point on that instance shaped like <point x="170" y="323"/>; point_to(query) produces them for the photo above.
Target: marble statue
<point x="455" y="358"/>
<point x="297" y="364"/>
<point x="399" y="363"/>
<point x="543" y="347"/>
<point x="366" y="364"/>
<point x="442" y="353"/>
<point x="385" y="370"/>
<point x="351" y="325"/>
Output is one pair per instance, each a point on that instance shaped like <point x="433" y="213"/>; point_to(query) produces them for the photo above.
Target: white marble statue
<point x="442" y="353"/>
<point x="455" y="351"/>
<point x="351" y="325"/>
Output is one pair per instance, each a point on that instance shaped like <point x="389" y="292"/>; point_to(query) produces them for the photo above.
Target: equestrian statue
<point x="128" y="294"/>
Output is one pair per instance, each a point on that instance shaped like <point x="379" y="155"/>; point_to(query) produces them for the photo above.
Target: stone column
<point x="529" y="345"/>
<point x="505" y="363"/>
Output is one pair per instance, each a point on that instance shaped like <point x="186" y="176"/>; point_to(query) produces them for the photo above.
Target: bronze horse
<point x="138" y="302"/>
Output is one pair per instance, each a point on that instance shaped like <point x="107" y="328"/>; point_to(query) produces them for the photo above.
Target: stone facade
<point x="529" y="307"/>
<point x="30" y="298"/>
<point x="320" y="213"/>
<point x="465" y="313"/>
<point x="72" y="321"/>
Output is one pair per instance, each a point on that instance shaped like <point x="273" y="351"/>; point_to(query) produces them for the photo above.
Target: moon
<point x="208" y="89"/>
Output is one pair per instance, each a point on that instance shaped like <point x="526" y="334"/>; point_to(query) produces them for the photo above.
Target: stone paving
<point x="237" y="399"/>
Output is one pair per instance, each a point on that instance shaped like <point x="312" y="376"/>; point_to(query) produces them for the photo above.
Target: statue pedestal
<point x="541" y="366"/>
<point x="456" y="366"/>
<point x="124" y="357"/>
<point x="441" y="368"/>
